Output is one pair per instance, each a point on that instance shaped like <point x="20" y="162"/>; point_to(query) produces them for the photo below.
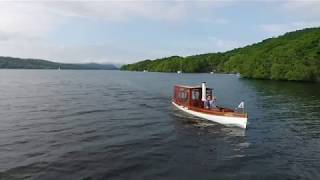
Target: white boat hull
<point x="225" y="120"/>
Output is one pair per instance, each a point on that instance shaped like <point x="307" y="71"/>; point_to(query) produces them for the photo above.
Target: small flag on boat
<point x="241" y="105"/>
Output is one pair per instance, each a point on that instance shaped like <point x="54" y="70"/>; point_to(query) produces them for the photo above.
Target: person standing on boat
<point x="209" y="103"/>
<point x="213" y="102"/>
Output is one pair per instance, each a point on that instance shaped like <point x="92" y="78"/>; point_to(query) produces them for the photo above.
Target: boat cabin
<point x="190" y="96"/>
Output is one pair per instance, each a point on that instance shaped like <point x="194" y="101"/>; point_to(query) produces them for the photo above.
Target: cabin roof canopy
<point x="190" y="87"/>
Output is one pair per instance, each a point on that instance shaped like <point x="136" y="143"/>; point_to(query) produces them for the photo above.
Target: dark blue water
<point x="121" y="125"/>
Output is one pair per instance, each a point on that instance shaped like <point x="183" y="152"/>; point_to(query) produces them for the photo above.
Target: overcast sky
<point x="129" y="31"/>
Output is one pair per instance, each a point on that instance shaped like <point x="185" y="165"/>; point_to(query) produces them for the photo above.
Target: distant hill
<point x="292" y="56"/>
<point x="18" y="63"/>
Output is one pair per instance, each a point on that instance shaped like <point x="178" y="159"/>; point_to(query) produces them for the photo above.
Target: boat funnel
<point x="204" y="88"/>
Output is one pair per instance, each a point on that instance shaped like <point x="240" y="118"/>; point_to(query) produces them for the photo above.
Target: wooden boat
<point x="190" y="99"/>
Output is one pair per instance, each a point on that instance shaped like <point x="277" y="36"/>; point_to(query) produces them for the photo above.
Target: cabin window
<point x="208" y="91"/>
<point x="195" y="94"/>
<point x="183" y="94"/>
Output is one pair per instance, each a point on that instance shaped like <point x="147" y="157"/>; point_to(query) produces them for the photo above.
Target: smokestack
<point x="204" y="90"/>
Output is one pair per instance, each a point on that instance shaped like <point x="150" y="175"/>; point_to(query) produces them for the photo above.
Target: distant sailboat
<point x="59" y="68"/>
<point x="212" y="68"/>
<point x="180" y="71"/>
<point x="145" y="70"/>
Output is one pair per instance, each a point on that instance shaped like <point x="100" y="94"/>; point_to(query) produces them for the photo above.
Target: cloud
<point x="119" y="10"/>
<point x="302" y="13"/>
<point x="30" y="20"/>
<point x="219" y="21"/>
<point x="220" y="45"/>
<point x="26" y="28"/>
<point x="27" y="20"/>
<point x="278" y="29"/>
<point x="304" y="8"/>
<point x="39" y="18"/>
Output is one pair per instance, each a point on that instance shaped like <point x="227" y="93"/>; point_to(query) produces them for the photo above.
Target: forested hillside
<point x="18" y="63"/>
<point x="292" y="56"/>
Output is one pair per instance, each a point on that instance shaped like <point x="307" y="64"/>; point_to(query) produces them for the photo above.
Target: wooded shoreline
<point x="293" y="56"/>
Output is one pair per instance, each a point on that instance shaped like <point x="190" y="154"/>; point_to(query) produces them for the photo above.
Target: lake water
<point x="121" y="125"/>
